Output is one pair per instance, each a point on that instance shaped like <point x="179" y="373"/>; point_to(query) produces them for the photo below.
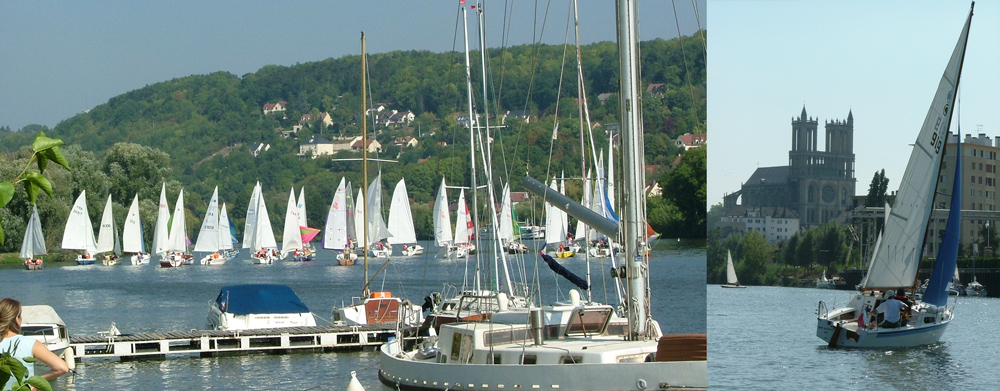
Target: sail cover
<point x="898" y="256"/>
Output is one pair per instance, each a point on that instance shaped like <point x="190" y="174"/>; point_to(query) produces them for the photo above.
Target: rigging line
<point x="687" y="69"/>
<point x="701" y="31"/>
<point x="555" y="115"/>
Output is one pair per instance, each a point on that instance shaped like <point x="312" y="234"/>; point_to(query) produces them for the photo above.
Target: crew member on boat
<point x="890" y="309"/>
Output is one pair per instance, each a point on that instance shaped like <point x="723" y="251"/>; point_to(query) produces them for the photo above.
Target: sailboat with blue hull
<point x="898" y="250"/>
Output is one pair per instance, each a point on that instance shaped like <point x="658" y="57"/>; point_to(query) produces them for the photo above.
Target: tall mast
<point x="583" y="145"/>
<point x="472" y="136"/>
<point x="632" y="147"/>
<point x="364" y="155"/>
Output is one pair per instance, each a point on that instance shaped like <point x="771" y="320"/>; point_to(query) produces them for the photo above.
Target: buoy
<point x="355" y="385"/>
<point x="68" y="356"/>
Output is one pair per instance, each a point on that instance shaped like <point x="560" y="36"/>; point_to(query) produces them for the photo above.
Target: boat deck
<point x="209" y="343"/>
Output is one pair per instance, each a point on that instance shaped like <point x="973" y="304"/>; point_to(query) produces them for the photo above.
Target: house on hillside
<point x="401" y="118"/>
<point x="603" y="98"/>
<point x="373" y="145"/>
<point x="279" y="106"/>
<point x="522" y="115"/>
<point x="463" y="120"/>
<point x="257" y="148"/>
<point x="405" y="142"/>
<point x="688" y="140"/>
<point x="656" y="89"/>
<point x="377" y="108"/>
<point x="316" y="146"/>
<point x="324" y="119"/>
<point x="517" y="197"/>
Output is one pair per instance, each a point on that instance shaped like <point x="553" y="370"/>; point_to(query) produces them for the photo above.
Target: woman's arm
<point x="57" y="365"/>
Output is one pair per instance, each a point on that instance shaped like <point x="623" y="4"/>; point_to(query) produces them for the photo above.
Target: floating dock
<point x="210" y="343"/>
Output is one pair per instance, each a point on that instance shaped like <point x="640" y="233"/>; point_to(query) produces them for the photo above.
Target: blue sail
<point x="944" y="265"/>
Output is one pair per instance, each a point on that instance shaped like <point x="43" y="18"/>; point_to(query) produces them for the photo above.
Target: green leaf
<point x="40" y="181"/>
<point x="55" y="154"/>
<point x="42" y="161"/>
<point x="39" y="383"/>
<point x="32" y="190"/>
<point x="43" y="143"/>
<point x="6" y="192"/>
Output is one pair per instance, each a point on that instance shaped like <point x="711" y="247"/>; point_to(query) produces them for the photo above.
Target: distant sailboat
<point x="307" y="232"/>
<point x="260" y="235"/>
<point x="507" y="228"/>
<point x="132" y="241"/>
<point x="162" y="223"/>
<point x="210" y="234"/>
<point x="79" y="232"/>
<point x="33" y="244"/>
<point x="442" y="219"/>
<point x="176" y="254"/>
<point x="107" y="236"/>
<point x="464" y="230"/>
<point x="291" y="235"/>
<point x="377" y="230"/>
<point x="335" y="232"/>
<point x="555" y="229"/>
<point x="731" y="280"/>
<point x="227" y="235"/>
<point x="401" y="222"/>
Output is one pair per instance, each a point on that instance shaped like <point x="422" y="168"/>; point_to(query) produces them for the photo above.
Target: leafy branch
<point x="44" y="150"/>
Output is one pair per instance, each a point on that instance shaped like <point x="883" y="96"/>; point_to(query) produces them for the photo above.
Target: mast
<point x="364" y="155"/>
<point x="632" y="147"/>
<point x="472" y="143"/>
<point x="583" y="144"/>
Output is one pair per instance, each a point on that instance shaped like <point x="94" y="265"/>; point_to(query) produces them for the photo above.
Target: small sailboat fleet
<point x="731" y="280"/>
<point x="898" y="250"/>
<point x="33" y="245"/>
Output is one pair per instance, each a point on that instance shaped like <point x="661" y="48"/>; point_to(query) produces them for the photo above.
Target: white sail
<point x="208" y="236"/>
<point x="506" y="216"/>
<point x="335" y="231"/>
<point x="897" y="258"/>
<point x="359" y="219"/>
<point x="251" y="219"/>
<point x="400" y="222"/>
<point x="79" y="232"/>
<point x="132" y="231"/>
<point x="226" y="239"/>
<point x="610" y="188"/>
<point x="177" y="238"/>
<point x="442" y="218"/>
<point x="106" y="233"/>
<point x="462" y="231"/>
<point x="730" y="270"/>
<point x="581" y="228"/>
<point x="34" y="242"/>
<point x="264" y="233"/>
<point x="291" y="237"/>
<point x="301" y="207"/>
<point x="555" y="229"/>
<point x="162" y="215"/>
<point x="376" y="224"/>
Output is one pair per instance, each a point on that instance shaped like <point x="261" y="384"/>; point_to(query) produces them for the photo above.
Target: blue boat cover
<point x="259" y="299"/>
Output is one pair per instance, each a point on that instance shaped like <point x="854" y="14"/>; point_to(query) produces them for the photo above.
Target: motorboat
<point x="258" y="306"/>
<point x="42" y="323"/>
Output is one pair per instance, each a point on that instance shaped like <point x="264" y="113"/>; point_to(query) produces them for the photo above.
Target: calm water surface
<point x="765" y="338"/>
<point x="151" y="299"/>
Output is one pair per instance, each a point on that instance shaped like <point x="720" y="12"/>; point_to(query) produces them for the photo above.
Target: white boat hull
<point x="398" y="373"/>
<point x="840" y="325"/>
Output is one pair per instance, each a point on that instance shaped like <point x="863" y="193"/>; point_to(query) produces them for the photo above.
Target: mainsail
<point x="34" y="243"/>
<point x="896" y="259"/>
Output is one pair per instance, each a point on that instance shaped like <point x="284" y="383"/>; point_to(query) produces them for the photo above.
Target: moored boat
<point x="258" y="306"/>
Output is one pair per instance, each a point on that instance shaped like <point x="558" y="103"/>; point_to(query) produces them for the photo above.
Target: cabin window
<point x="570" y="360"/>
<point x="529" y="359"/>
<point x="461" y="348"/>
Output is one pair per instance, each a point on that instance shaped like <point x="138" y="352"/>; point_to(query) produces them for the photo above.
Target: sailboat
<point x="227" y="236"/>
<point x="464" y="230"/>
<point x="555" y="229"/>
<point x="160" y="233"/>
<point x="508" y="228"/>
<point x="132" y="241"/>
<point x="79" y="232"/>
<point x="210" y="234"/>
<point x="291" y="236"/>
<point x="731" y="280"/>
<point x="335" y="232"/>
<point x="514" y="350"/>
<point x="176" y="251"/>
<point x="33" y="244"/>
<point x="400" y="222"/>
<point x="259" y="236"/>
<point x="377" y="230"/>
<point x="442" y="219"/>
<point x="307" y="232"/>
<point x="107" y="237"/>
<point x="898" y="250"/>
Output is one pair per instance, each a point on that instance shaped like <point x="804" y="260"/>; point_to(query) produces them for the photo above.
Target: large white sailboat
<point x="79" y="232"/>
<point x="898" y="250"/>
<point x="33" y="244"/>
<point x="400" y="222"/>
<point x="577" y="346"/>
<point x="132" y="238"/>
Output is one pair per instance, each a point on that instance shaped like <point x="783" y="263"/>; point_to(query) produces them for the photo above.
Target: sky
<point x="882" y="61"/>
<point x="58" y="58"/>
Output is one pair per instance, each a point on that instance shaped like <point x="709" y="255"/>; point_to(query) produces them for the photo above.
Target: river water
<point x="765" y="338"/>
<point x="148" y="298"/>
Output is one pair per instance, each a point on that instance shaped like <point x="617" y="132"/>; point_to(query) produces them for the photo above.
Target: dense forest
<point x="196" y="133"/>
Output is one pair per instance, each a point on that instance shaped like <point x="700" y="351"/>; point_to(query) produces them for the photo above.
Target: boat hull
<point x="839" y="327"/>
<point x="733" y="286"/>
<point x="403" y="374"/>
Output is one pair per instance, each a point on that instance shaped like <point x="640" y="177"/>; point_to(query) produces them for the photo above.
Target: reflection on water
<point x="765" y="338"/>
<point x="147" y="298"/>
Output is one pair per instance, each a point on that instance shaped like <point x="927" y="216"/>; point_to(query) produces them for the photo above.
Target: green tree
<point x="757" y="256"/>
<point x="877" y="190"/>
<point x="44" y="150"/>
<point x="685" y="187"/>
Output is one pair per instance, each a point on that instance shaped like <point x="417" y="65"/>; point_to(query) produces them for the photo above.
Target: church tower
<point x="821" y="183"/>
